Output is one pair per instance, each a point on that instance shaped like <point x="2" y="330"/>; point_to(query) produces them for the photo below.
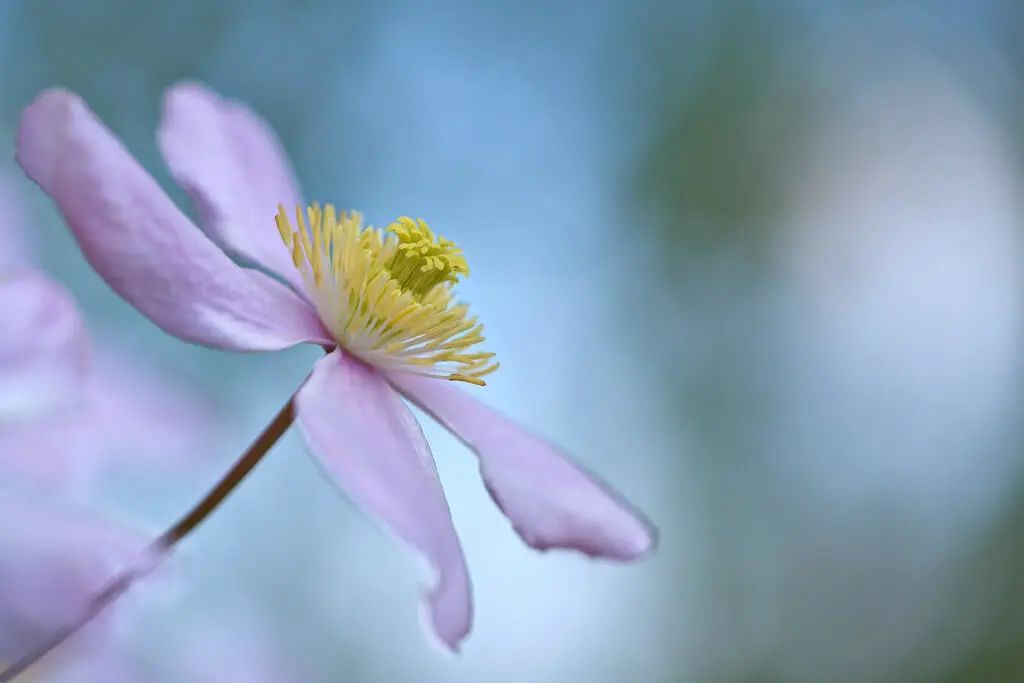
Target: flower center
<point x="387" y="297"/>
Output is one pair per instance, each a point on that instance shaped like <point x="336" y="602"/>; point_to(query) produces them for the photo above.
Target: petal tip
<point x="636" y="538"/>
<point x="185" y="99"/>
<point x="55" y="97"/>
<point x="622" y="534"/>
<point x="449" y="606"/>
<point x="644" y="543"/>
<point x="185" y="93"/>
<point x="632" y="545"/>
<point x="449" y="633"/>
<point x="187" y="87"/>
<point x="450" y="615"/>
<point x="39" y="138"/>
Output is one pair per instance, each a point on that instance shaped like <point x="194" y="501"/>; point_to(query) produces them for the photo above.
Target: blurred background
<point x="757" y="263"/>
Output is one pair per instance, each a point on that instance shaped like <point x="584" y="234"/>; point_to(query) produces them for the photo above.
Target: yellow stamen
<point x="471" y="380"/>
<point x="388" y="297"/>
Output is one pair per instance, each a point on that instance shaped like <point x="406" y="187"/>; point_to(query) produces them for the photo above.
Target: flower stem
<point x="163" y="544"/>
<point x="263" y="443"/>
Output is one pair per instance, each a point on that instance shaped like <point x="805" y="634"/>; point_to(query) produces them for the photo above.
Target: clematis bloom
<point x="381" y="302"/>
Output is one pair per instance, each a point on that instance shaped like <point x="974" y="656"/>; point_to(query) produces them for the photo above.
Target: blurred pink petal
<point x="231" y="164"/>
<point x="128" y="420"/>
<point x="17" y="248"/>
<point x="52" y="563"/>
<point x="61" y="417"/>
<point x="140" y="415"/>
<point x="55" y="452"/>
<point x="142" y="245"/>
<point x="551" y="502"/>
<point x="371" y="446"/>
<point x="44" y="350"/>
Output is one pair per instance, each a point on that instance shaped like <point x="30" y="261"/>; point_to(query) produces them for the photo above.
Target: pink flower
<point x="44" y="365"/>
<point x="56" y="428"/>
<point x="67" y="408"/>
<point x="16" y="246"/>
<point x="53" y="561"/>
<point x="380" y="304"/>
<point x="44" y="351"/>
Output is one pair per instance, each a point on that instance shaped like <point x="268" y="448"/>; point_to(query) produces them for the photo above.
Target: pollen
<point x="387" y="296"/>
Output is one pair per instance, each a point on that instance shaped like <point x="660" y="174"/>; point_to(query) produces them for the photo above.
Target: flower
<point x="44" y="362"/>
<point x="44" y="354"/>
<point x="66" y="407"/>
<point x="53" y="560"/>
<point x="16" y="247"/>
<point x="380" y="304"/>
<point x="57" y="425"/>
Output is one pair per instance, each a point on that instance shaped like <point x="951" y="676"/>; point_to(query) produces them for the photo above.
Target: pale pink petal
<point x="53" y="561"/>
<point x="53" y="452"/>
<point x="130" y="416"/>
<point x="551" y="502"/>
<point x="370" y="444"/>
<point x="44" y="349"/>
<point x="143" y="246"/>
<point x="231" y="164"/>
<point x="143" y="416"/>
<point x="125" y="414"/>
<point x="17" y="242"/>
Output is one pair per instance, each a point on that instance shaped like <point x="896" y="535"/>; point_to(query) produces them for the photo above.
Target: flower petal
<point x="231" y="164"/>
<point x="17" y="246"/>
<point x="143" y="246"/>
<point x="44" y="348"/>
<point x="370" y="444"/>
<point x="53" y="561"/>
<point x="53" y="452"/>
<point x="551" y="502"/>
<point x="142" y="416"/>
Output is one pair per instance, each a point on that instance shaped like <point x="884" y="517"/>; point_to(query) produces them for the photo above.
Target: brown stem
<point x="160" y="547"/>
<point x="278" y="426"/>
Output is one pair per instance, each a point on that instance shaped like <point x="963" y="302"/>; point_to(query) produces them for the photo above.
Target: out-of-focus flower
<point x="62" y="416"/>
<point x="53" y="562"/>
<point x="381" y="304"/>
<point x="136" y="410"/>
<point x="44" y="351"/>
<point x="44" y="364"/>
<point x="16" y="246"/>
<point x="65" y="407"/>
